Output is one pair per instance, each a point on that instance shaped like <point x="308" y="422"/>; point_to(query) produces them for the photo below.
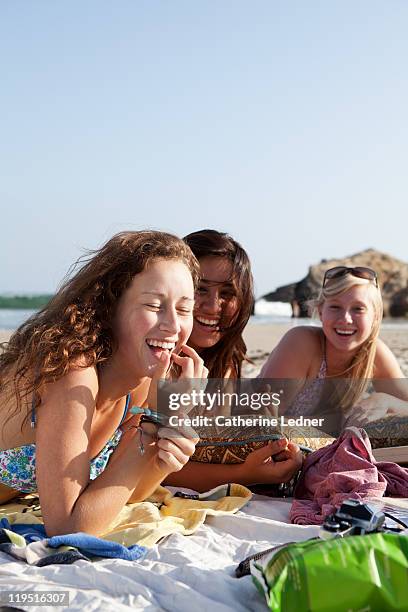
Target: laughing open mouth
<point x="160" y="345"/>
<point x="345" y="332"/>
<point x="210" y="323"/>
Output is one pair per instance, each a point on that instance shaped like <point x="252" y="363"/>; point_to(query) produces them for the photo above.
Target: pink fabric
<point x="345" y="469"/>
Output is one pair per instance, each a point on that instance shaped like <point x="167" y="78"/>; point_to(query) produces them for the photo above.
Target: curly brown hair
<point x="76" y="325"/>
<point x="230" y="352"/>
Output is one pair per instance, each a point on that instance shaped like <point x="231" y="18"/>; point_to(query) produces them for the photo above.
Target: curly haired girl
<point x="70" y="373"/>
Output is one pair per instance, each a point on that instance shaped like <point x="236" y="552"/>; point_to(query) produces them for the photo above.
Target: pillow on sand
<point x="232" y="444"/>
<point x="221" y="450"/>
<point x="308" y="438"/>
<point x="388" y="432"/>
<point x="235" y="444"/>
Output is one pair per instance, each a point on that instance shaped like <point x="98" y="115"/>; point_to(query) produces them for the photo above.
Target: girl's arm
<point x="258" y="468"/>
<point x="70" y="502"/>
<point x="291" y="358"/>
<point x="388" y="377"/>
<point x="391" y="391"/>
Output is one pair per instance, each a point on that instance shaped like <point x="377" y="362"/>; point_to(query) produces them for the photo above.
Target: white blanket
<point x="181" y="573"/>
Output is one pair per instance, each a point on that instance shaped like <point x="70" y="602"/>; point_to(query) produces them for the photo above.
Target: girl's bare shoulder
<point x="293" y="356"/>
<point x="83" y="379"/>
<point x="385" y="364"/>
<point x="304" y="338"/>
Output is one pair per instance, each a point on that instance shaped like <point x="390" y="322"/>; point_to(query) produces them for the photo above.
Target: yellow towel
<point x="147" y="522"/>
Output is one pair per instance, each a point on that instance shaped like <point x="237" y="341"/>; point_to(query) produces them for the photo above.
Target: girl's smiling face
<point x="216" y="302"/>
<point x="348" y="318"/>
<point x="155" y="314"/>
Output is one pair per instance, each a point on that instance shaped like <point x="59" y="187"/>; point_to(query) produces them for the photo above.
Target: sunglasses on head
<point x="358" y="271"/>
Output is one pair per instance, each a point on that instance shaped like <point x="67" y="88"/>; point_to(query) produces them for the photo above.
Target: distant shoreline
<point x="24" y="302"/>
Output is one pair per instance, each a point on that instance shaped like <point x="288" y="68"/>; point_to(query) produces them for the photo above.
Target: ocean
<point x="11" y="319"/>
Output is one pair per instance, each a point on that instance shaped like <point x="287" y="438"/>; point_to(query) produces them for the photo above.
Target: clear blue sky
<point x="284" y="123"/>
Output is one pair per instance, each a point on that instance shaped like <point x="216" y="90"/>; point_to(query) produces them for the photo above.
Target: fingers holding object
<point x="175" y="453"/>
<point x="184" y="437"/>
<point x="191" y="363"/>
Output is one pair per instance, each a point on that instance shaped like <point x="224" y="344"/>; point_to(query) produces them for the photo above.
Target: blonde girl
<point x="346" y="346"/>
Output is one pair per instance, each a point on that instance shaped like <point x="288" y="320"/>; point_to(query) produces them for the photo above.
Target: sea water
<point x="13" y="318"/>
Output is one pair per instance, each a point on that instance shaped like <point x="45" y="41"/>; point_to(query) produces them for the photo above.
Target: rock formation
<point x="392" y="276"/>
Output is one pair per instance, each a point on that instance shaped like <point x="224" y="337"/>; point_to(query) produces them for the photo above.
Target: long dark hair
<point x="76" y="325"/>
<point x="230" y="351"/>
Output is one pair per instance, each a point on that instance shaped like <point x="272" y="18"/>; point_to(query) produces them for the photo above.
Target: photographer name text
<point x="243" y="421"/>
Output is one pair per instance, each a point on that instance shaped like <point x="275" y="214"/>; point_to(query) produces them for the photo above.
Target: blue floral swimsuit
<point x="17" y="465"/>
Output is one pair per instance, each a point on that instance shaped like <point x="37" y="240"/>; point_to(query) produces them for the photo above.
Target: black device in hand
<point x="152" y="417"/>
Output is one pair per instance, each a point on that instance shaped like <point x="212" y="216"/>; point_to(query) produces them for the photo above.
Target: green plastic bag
<point x="354" y="574"/>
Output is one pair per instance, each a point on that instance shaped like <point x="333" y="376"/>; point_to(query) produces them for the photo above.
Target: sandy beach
<point x="262" y="338"/>
<point x="4" y="335"/>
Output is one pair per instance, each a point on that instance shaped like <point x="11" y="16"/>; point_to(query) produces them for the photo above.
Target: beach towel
<point x="345" y="469"/>
<point x="29" y="542"/>
<point x="164" y="513"/>
<point x="137" y="526"/>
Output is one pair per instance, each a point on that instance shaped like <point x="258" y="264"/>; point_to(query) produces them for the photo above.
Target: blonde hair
<point x="362" y="366"/>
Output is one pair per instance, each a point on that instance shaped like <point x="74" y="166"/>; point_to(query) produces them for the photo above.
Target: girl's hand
<point x="276" y="462"/>
<point x="193" y="371"/>
<point x="376" y="407"/>
<point x="192" y="378"/>
<point x="160" y="373"/>
<point x="192" y="366"/>
<point x="175" y="447"/>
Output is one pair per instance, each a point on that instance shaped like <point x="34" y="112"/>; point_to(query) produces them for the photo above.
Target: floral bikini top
<point x="17" y="465"/>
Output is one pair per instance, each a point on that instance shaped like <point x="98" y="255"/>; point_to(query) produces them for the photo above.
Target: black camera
<point x="353" y="518"/>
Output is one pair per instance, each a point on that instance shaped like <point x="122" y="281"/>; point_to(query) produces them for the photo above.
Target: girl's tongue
<point x="159" y="348"/>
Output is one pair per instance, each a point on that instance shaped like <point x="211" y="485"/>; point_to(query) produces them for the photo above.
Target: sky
<point x="282" y="123"/>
